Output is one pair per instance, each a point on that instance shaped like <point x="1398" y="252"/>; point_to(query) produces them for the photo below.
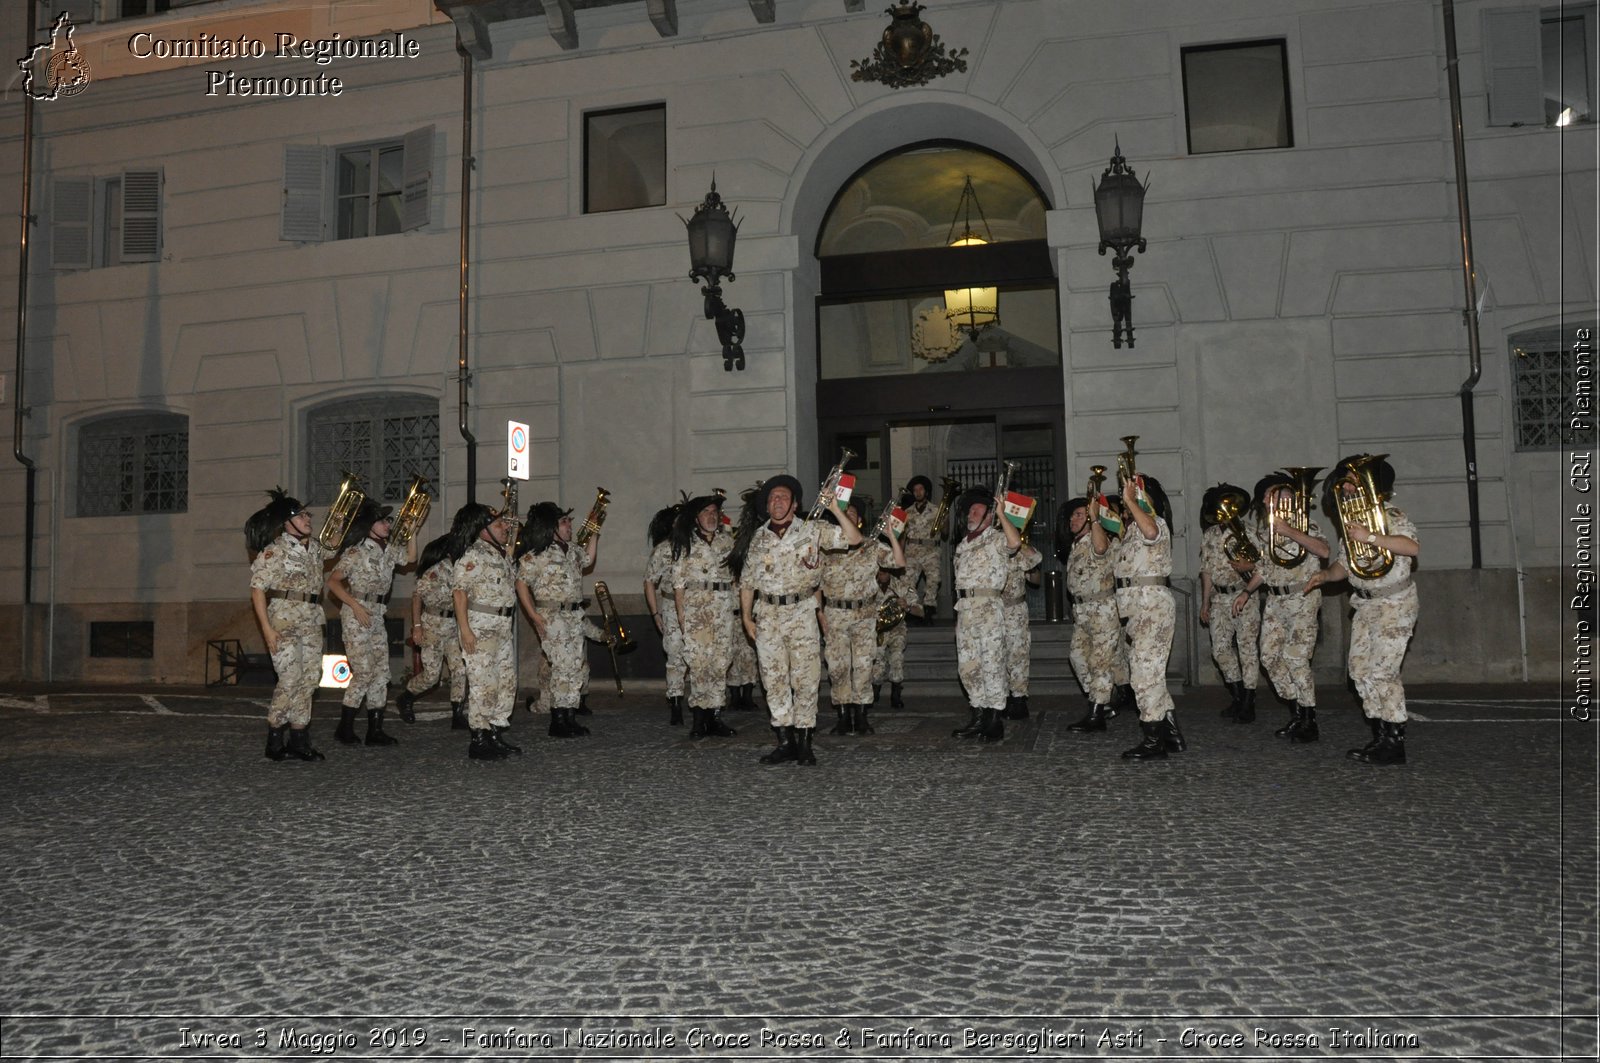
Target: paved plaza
<point x="170" y="893"/>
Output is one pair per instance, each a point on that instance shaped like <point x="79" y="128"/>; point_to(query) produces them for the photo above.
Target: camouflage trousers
<point x="1380" y="629"/>
<point x="1234" y="639"/>
<point x="440" y="647"/>
<point x="708" y="637"/>
<point x="890" y="660"/>
<point x="1288" y="638"/>
<point x="563" y="650"/>
<point x="788" y="647"/>
<point x="852" y="643"/>
<point x="543" y="701"/>
<point x="1019" y="646"/>
<point x="1151" y="618"/>
<point x="672" y="645"/>
<point x="980" y="652"/>
<point x="743" y="668"/>
<point x="491" y="672"/>
<point x="1099" y="655"/>
<point x="298" y="662"/>
<point x="922" y="561"/>
<point x="367" y="648"/>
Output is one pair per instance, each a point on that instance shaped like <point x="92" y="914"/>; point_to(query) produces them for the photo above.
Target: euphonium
<point x="343" y="513"/>
<point x="1125" y="467"/>
<point x="1295" y="511"/>
<point x="951" y="487"/>
<point x="1239" y="548"/>
<point x="413" y="511"/>
<point x="831" y="484"/>
<point x="1364" y="507"/>
<point x="617" y="639"/>
<point x="891" y="611"/>
<point x="596" y="517"/>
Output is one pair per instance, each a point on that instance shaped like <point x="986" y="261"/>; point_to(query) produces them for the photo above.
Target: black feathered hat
<point x="927" y="489"/>
<point x="469" y="522"/>
<point x="661" y="524"/>
<point x="1158" y="497"/>
<point x="964" y="502"/>
<point x="1267" y="483"/>
<point x="436" y="551"/>
<point x="783" y="479"/>
<point x="1064" y="534"/>
<point x="266" y="523"/>
<point x="1211" y="502"/>
<point x="688" y="515"/>
<point x="539" y="530"/>
<point x="751" y="517"/>
<point x="1382" y="478"/>
<point x="368" y="514"/>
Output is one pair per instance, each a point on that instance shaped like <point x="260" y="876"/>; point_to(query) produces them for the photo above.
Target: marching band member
<point x="433" y="632"/>
<point x="849" y="616"/>
<point x="1384" y="602"/>
<point x="1099" y="653"/>
<point x="1289" y="617"/>
<point x="550" y="588"/>
<point x="1234" y="637"/>
<point x="889" y="662"/>
<point x="657" y="585"/>
<point x="482" y="586"/>
<point x="360" y="580"/>
<point x="285" y="586"/>
<point x="985" y="548"/>
<point x="703" y="602"/>
<point x="1018" y="637"/>
<point x="921" y="549"/>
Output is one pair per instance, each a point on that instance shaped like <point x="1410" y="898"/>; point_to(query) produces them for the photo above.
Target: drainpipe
<point x="1469" y="440"/>
<point x="463" y="376"/>
<point x="20" y="410"/>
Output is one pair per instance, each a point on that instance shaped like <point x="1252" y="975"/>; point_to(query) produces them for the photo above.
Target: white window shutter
<point x="71" y="222"/>
<point x="416" y="178"/>
<point x="1512" y="66"/>
<point x="305" y="169"/>
<point x="141" y="216"/>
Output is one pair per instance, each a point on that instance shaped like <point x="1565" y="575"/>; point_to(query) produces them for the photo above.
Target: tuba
<point x="617" y="638"/>
<point x="831" y="484"/>
<point x="1295" y="511"/>
<point x="1364" y="507"/>
<point x="596" y="517"/>
<point x="1239" y="548"/>
<point x="951" y="487"/>
<point x="343" y="513"/>
<point x="413" y="511"/>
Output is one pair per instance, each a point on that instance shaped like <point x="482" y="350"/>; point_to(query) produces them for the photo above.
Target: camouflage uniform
<point x="980" y="566"/>
<point x="890" y="660"/>
<point x="1018" y="637"/>
<point x="1233" y="638"/>
<point x="1288" y="621"/>
<point x="554" y="577"/>
<point x="710" y="621"/>
<point x="484" y="575"/>
<point x="1144" y="601"/>
<point x="437" y="638"/>
<point x="368" y="568"/>
<point x="784" y="610"/>
<point x="1099" y="655"/>
<point x="658" y="571"/>
<point x="290" y="573"/>
<point x="743" y="669"/>
<point x="921" y="545"/>
<point x="1385" y="614"/>
<point x="849" y="604"/>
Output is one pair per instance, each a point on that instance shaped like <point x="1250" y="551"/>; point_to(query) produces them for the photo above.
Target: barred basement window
<point x="383" y="439"/>
<point x="1544" y="383"/>
<point x="134" y="464"/>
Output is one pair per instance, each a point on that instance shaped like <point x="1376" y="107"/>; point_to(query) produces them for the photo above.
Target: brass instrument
<point x="881" y="526"/>
<point x="343" y="513"/>
<point x="891" y="611"/>
<point x="1125" y="467"/>
<point x="413" y="511"/>
<point x="596" y="517"/>
<point x="1295" y="511"/>
<point x="1007" y="469"/>
<point x="1239" y="548"/>
<point x="831" y="484"/>
<point x="951" y="487"/>
<point x="1097" y="479"/>
<point x="510" y="514"/>
<point x="617" y="639"/>
<point x="1364" y="507"/>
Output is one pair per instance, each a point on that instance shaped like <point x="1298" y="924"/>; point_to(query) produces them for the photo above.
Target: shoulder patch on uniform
<point x="267" y="552"/>
<point x="470" y="564"/>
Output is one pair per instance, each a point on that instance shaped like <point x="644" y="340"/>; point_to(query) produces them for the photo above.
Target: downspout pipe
<point x="20" y="409"/>
<point x="463" y="375"/>
<point x="1469" y="437"/>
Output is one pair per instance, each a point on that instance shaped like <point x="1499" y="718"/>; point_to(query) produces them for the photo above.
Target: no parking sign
<point x="335" y="670"/>
<point x="516" y="450"/>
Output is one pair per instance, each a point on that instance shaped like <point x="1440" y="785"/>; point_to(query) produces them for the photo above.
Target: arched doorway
<point x="938" y="330"/>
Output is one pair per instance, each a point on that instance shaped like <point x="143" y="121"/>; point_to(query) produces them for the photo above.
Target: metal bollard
<point x="1055" y="597"/>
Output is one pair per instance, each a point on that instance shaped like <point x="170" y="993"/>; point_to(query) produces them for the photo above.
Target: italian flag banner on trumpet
<point x="896" y="524"/>
<point x="1108" y="517"/>
<point x="842" y="493"/>
<point x="1018" y="508"/>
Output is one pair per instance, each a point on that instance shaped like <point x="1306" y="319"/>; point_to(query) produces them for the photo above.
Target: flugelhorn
<point x="617" y="639"/>
<point x="343" y="513"/>
<point x="831" y="484"/>
<point x="596" y="517"/>
<point x="1125" y="467"/>
<point x="413" y="511"/>
<point x="1364" y="507"/>
<point x="1294" y="511"/>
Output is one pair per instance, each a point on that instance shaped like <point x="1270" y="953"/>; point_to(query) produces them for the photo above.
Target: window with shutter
<point x="358" y="190"/>
<point x="71" y="222"/>
<point x="141" y="216"/>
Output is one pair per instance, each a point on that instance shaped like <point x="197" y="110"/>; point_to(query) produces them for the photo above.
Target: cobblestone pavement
<point x="1040" y="898"/>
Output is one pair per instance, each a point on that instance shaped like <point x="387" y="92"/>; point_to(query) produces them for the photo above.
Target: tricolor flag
<point x="1018" y="508"/>
<point x="896" y="524"/>
<point x="842" y="493"/>
<point x="1108" y="517"/>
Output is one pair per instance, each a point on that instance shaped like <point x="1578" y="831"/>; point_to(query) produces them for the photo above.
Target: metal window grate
<point x="1544" y="382"/>
<point x="136" y="464"/>
<point x="383" y="440"/>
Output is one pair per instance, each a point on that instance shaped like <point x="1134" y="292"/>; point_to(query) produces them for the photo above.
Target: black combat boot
<point x="715" y="728"/>
<point x="1376" y="726"/>
<point x="970" y="730"/>
<point x="299" y="745"/>
<point x="896" y="701"/>
<point x="785" y="750"/>
<point x="1018" y="709"/>
<point x="375" y="735"/>
<point x="1094" y="721"/>
<point x="346" y="731"/>
<point x="877" y="692"/>
<point x="1174" y="737"/>
<point x="843" y="724"/>
<point x="863" y="726"/>
<point x="558" y="726"/>
<point x="574" y="728"/>
<point x="484" y="747"/>
<point x="1235" y="699"/>
<point x="802" y="746"/>
<point x="1123" y="698"/>
<point x="583" y="708"/>
<point x="1391" y="745"/>
<point x="406" y="703"/>
<point x="1247" y="705"/>
<point x="1154" y="746"/>
<point x="733" y="698"/>
<point x="1294" y="721"/>
<point x="497" y="735"/>
<point x="747" y="697"/>
<point x="458" y="716"/>
<point x="275" y="739"/>
<point x="1307" y="731"/>
<point x="991" y="725"/>
<point x="929" y="613"/>
<point x="675" y="704"/>
<point x="697" y="730"/>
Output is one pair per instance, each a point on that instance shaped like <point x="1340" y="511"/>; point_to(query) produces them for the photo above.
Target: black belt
<point x="781" y="599"/>
<point x="978" y="592"/>
<point x="1280" y="591"/>
<point x="846" y="603"/>
<point x="442" y="612"/>
<point x="295" y="596"/>
<point x="1381" y="592"/>
<point x="368" y="603"/>
<point x="493" y="610"/>
<point x="1235" y="589"/>
<point x="558" y="607"/>
<point x="1124" y="582"/>
<point x="708" y="585"/>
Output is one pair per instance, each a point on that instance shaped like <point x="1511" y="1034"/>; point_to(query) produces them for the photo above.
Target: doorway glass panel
<point x="885" y="337"/>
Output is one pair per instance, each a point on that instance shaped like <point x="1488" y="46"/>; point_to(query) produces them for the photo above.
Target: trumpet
<point x="1125" y="467"/>
<point x="413" y="511"/>
<point x="1293" y="511"/>
<point x="1097" y="479"/>
<point x="952" y="488"/>
<point x="617" y="638"/>
<point x="343" y="513"/>
<point x="831" y="484"/>
<point x="1364" y="507"/>
<point x="1007" y="469"/>
<point x="596" y="517"/>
